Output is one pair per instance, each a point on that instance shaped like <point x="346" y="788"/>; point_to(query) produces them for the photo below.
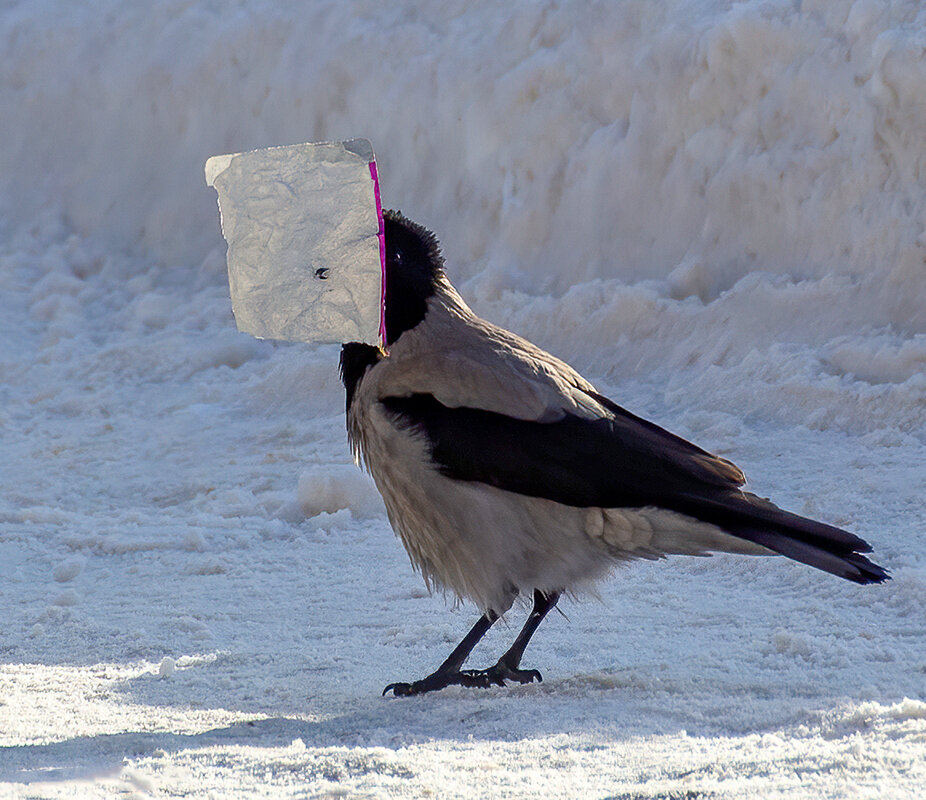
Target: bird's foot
<point x="499" y="673"/>
<point x="436" y="680"/>
<point x="472" y="678"/>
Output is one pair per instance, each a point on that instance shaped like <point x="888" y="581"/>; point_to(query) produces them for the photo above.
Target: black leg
<point x="508" y="666"/>
<point x="506" y="669"/>
<point x="448" y="673"/>
<point x="542" y="604"/>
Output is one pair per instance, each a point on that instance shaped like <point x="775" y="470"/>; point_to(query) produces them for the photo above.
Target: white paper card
<point x="305" y="249"/>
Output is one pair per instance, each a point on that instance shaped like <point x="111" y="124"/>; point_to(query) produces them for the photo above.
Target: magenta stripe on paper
<point x="381" y="235"/>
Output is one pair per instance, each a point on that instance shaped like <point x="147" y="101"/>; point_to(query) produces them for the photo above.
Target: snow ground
<point x="714" y="210"/>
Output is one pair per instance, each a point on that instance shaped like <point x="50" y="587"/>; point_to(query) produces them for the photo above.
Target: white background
<point x="714" y="210"/>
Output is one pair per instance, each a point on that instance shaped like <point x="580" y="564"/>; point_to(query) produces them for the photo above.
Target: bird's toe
<point x="480" y="678"/>
<point x="518" y="675"/>
<point x="399" y="689"/>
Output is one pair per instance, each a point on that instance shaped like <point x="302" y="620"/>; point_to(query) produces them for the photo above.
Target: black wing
<point x="620" y="461"/>
<point x="611" y="462"/>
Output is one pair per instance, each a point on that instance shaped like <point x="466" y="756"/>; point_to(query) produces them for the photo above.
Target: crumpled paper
<point x="305" y="249"/>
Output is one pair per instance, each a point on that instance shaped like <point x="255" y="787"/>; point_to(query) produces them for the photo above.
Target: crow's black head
<point x="413" y="265"/>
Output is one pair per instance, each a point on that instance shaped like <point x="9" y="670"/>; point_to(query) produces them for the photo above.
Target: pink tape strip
<point x="381" y="235"/>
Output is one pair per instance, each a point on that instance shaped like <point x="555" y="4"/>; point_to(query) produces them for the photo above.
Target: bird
<point x="506" y="474"/>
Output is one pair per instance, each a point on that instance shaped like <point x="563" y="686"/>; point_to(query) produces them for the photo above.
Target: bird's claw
<point x="499" y="673"/>
<point x="400" y="689"/>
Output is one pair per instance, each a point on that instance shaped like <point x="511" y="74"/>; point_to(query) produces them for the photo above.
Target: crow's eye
<point x="397" y="257"/>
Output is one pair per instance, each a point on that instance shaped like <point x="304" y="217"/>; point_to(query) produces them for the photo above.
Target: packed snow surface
<point x="714" y="210"/>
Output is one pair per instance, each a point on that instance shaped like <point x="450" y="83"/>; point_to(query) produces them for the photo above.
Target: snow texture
<point x="715" y="210"/>
<point x="303" y="229"/>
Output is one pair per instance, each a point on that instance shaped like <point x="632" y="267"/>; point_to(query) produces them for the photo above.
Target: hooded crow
<point x="506" y="473"/>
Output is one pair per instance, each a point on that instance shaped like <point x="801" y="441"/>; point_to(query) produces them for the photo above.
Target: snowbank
<point x="754" y="169"/>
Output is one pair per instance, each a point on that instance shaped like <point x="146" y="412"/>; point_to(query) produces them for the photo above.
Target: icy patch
<point x="880" y="359"/>
<point x="67" y="598"/>
<point x="790" y="643"/>
<point x="868" y="714"/>
<point x="333" y="487"/>
<point x="69" y="569"/>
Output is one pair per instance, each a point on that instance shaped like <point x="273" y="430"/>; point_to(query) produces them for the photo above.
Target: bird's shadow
<point x="606" y="705"/>
<point x="667" y="687"/>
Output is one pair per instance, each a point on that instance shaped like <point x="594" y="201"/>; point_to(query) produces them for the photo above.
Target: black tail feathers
<point x="815" y="543"/>
<point x="829" y="556"/>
